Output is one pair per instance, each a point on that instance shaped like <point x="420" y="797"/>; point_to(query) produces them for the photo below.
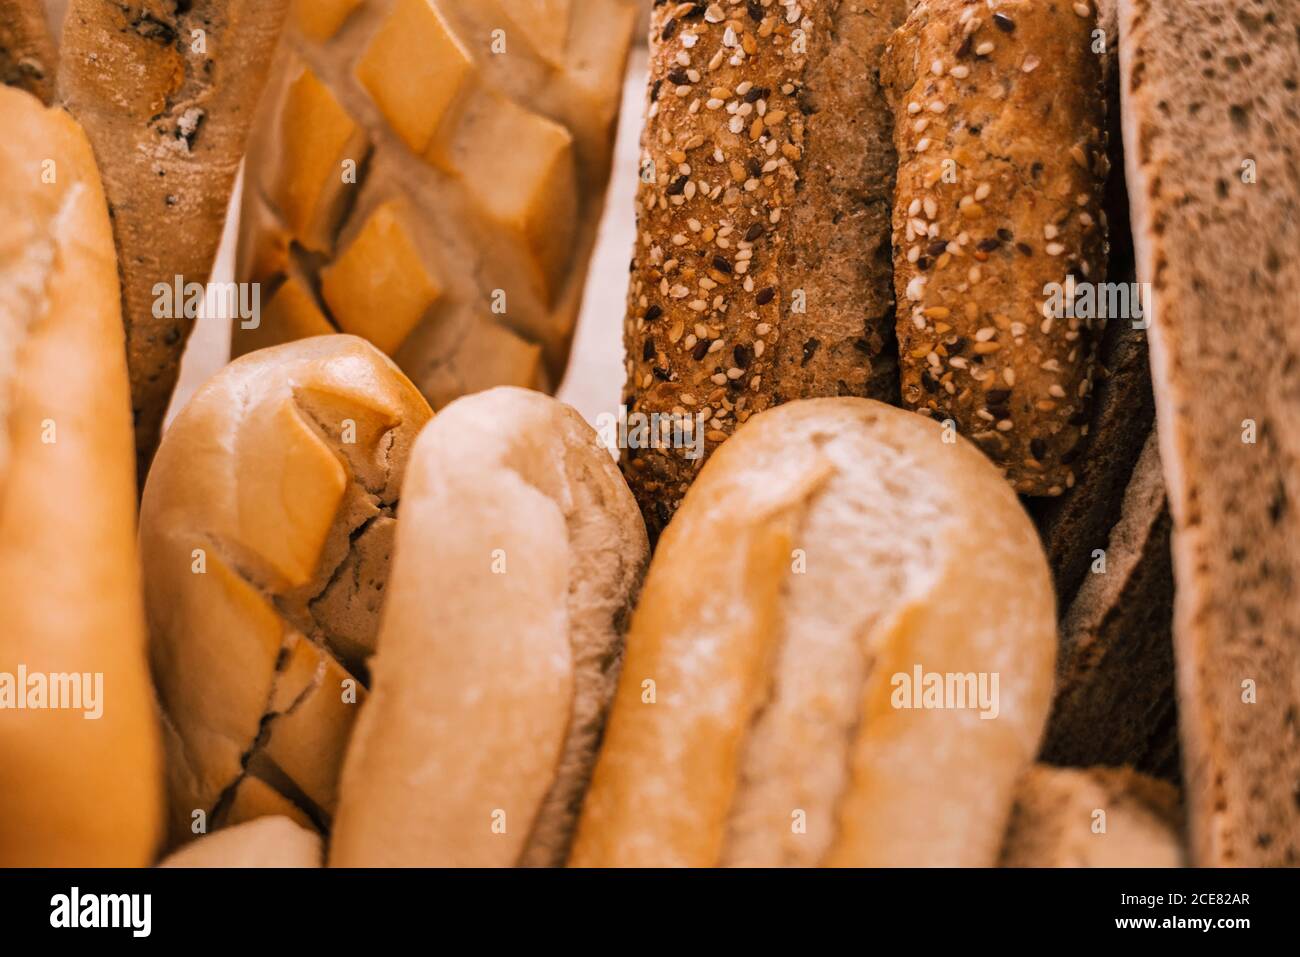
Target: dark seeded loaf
<point x="761" y="271"/>
<point x="1212" y="145"/>
<point x="1000" y="133"/>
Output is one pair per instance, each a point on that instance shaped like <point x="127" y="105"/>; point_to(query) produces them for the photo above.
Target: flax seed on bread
<point x="761" y="270"/>
<point x="1000" y="131"/>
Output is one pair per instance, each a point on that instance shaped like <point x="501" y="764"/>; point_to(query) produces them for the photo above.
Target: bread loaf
<point x="80" y="761"/>
<point x="1114" y="700"/>
<point x="166" y="92"/>
<point x="266" y="529"/>
<point x="266" y="842"/>
<point x="1000" y="131"/>
<point x="479" y="736"/>
<point x="1098" y="817"/>
<point x="1211" y="132"/>
<point x="27" y="57"/>
<point x="834" y="559"/>
<point x="430" y="174"/>
<point x="761" y="270"/>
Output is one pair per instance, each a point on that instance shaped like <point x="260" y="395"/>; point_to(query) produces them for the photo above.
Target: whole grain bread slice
<point x="1115" y="675"/>
<point x="1212" y="137"/>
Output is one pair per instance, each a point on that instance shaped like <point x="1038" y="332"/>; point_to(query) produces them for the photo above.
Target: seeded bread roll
<point x="27" y="57"/>
<point x="761" y="271"/>
<point x="266" y="529"/>
<point x="1000" y="131"/>
<point x="766" y="712"/>
<point x="75" y="790"/>
<point x="165" y="91"/>
<point x="430" y="175"/>
<point x="1098" y="817"/>
<point x="1211" y="131"/>
<point x="265" y="842"/>
<point x="478" y="740"/>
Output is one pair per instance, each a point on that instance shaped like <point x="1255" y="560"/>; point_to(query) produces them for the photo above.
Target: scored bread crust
<point x="73" y="792"/>
<point x="264" y="842"/>
<point x="827" y="547"/>
<point x="430" y="175"/>
<point x="27" y="55"/>
<point x="165" y="92"/>
<point x="1009" y="94"/>
<point x="265" y="530"/>
<point x="1211" y="132"/>
<point x="479" y="736"/>
<point x="761" y="269"/>
<point x="1056" y="820"/>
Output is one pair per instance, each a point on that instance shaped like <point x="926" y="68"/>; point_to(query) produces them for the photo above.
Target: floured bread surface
<point x="487" y="707"/>
<point x="1212" y="143"/>
<point x="266" y="531"/>
<point x="1095" y="817"/>
<point x="73" y="792"/>
<point x="827" y="551"/>
<point x="429" y="175"/>
<point x="264" y="842"/>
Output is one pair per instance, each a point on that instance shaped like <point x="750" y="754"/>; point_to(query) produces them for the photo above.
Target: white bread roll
<point x="519" y="553"/>
<point x="265" y="530"/>
<point x="825" y="551"/>
<point x="264" y="842"/>
<point x="1093" y="817"/>
<point x="73" y="792"/>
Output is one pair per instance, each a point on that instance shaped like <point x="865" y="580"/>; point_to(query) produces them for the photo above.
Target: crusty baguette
<point x="27" y="57"/>
<point x="165" y="92"/>
<point x="1011" y="98"/>
<point x="1114" y="700"/>
<point x="1210" y="128"/>
<point x="1098" y="817"/>
<point x="827" y="550"/>
<point x="266" y="529"/>
<point x="265" y="842"/>
<point x="73" y="792"/>
<point x="430" y="174"/>
<point x="761" y="270"/>
<point x="478" y="739"/>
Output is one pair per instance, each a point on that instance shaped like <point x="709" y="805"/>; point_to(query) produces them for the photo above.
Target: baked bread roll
<point x="266" y="529"/>
<point x="1000" y="131"/>
<point x="1098" y="817"/>
<point x="1210" y="129"/>
<point x="769" y="710"/>
<point x="481" y="730"/>
<point x="265" y="842"/>
<point x="166" y="92"/>
<point x="761" y="271"/>
<point x="27" y="57"/>
<point x="81" y="783"/>
<point x="430" y="174"/>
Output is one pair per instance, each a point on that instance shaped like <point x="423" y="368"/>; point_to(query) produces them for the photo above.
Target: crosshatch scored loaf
<point x="266" y="531"/>
<point x="761" y="270"/>
<point x="429" y="175"/>
<point x="1002" y="165"/>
